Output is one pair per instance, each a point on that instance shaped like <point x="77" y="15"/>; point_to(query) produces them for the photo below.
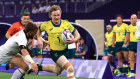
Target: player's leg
<point x="65" y="64"/>
<point x="110" y="59"/>
<point x="52" y="68"/>
<point x="126" y="53"/>
<point x="132" y="62"/>
<point x="111" y="52"/>
<point x="19" y="62"/>
<point x="120" y="63"/>
<point x="49" y="68"/>
<point x="132" y="58"/>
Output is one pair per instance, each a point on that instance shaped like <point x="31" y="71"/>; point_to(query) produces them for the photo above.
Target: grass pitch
<point x="29" y="76"/>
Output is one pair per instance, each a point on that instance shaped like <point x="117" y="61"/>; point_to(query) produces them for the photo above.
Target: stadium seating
<point x="13" y="8"/>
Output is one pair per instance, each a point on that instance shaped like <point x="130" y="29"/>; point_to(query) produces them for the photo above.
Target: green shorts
<point x="118" y="47"/>
<point x="133" y="46"/>
<point x="72" y="53"/>
<point x="55" y="55"/>
<point x="111" y="50"/>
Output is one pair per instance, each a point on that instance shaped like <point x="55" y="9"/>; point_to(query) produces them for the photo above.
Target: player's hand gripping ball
<point x="66" y="34"/>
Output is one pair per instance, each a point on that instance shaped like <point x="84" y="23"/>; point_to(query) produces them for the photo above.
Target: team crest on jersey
<point x="63" y="28"/>
<point x="51" y="29"/>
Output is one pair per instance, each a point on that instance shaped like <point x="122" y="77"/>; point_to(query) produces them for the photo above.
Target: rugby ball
<point x="66" y="34"/>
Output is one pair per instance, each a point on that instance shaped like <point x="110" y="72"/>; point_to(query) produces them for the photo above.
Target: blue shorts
<point x="111" y="50"/>
<point x="118" y="47"/>
<point x="133" y="46"/>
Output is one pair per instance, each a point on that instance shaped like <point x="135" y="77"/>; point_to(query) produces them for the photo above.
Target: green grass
<point x="9" y="75"/>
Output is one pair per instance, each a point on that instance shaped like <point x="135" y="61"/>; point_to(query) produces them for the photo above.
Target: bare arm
<point x="113" y="39"/>
<point x="40" y="43"/>
<point x="28" y="43"/>
<point x="82" y="54"/>
<point x="126" y="42"/>
<point x="106" y="43"/>
<point x="29" y="59"/>
<point x="7" y="35"/>
<point x="76" y="35"/>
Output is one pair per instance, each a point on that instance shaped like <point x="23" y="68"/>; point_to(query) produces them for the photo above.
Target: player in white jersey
<point x="8" y="51"/>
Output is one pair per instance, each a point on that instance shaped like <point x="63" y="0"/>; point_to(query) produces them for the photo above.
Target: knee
<point x="71" y="69"/>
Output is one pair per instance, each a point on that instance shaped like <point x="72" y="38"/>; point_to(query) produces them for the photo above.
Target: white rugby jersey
<point x="11" y="47"/>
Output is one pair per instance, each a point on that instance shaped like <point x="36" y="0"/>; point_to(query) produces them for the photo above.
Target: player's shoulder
<point x="16" y="23"/>
<point x="46" y="22"/>
<point x="124" y="24"/>
<point x="65" y="21"/>
<point x="130" y="25"/>
<point x="115" y="26"/>
<point x="106" y="33"/>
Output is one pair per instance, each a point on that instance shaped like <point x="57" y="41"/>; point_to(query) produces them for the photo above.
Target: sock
<point x="132" y="71"/>
<point x="22" y="77"/>
<point x="134" y="67"/>
<point x="18" y="73"/>
<point x="113" y="64"/>
<point x="40" y="68"/>
<point x="121" y="70"/>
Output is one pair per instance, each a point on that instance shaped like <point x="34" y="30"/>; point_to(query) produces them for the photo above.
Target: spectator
<point x="34" y="10"/>
<point x="41" y="8"/>
<point x="36" y="51"/>
<point x="82" y="49"/>
<point x="47" y="7"/>
<point x="23" y="10"/>
<point x="27" y="11"/>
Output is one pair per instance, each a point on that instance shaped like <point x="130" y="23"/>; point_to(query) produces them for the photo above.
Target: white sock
<point x="18" y="73"/>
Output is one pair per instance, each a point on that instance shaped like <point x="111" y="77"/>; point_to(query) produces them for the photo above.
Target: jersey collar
<point x="118" y="25"/>
<point x="56" y="25"/>
<point x="109" y="32"/>
<point x="21" y="23"/>
<point x="133" y="25"/>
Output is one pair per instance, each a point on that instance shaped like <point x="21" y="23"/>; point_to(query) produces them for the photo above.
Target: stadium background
<point x="72" y="10"/>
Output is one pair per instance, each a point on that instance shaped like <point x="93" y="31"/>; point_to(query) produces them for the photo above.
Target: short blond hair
<point x="54" y="8"/>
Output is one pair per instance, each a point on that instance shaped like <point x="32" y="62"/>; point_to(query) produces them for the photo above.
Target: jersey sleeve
<point x="113" y="29"/>
<point x="71" y="28"/>
<point x="11" y="29"/>
<point x="127" y="28"/>
<point x="105" y="35"/>
<point x="42" y="27"/>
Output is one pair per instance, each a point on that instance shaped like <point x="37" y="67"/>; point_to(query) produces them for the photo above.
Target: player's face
<point x="108" y="29"/>
<point x="82" y="41"/>
<point x="31" y="34"/>
<point x="56" y="16"/>
<point x="119" y="20"/>
<point x="133" y="19"/>
<point x="25" y="20"/>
